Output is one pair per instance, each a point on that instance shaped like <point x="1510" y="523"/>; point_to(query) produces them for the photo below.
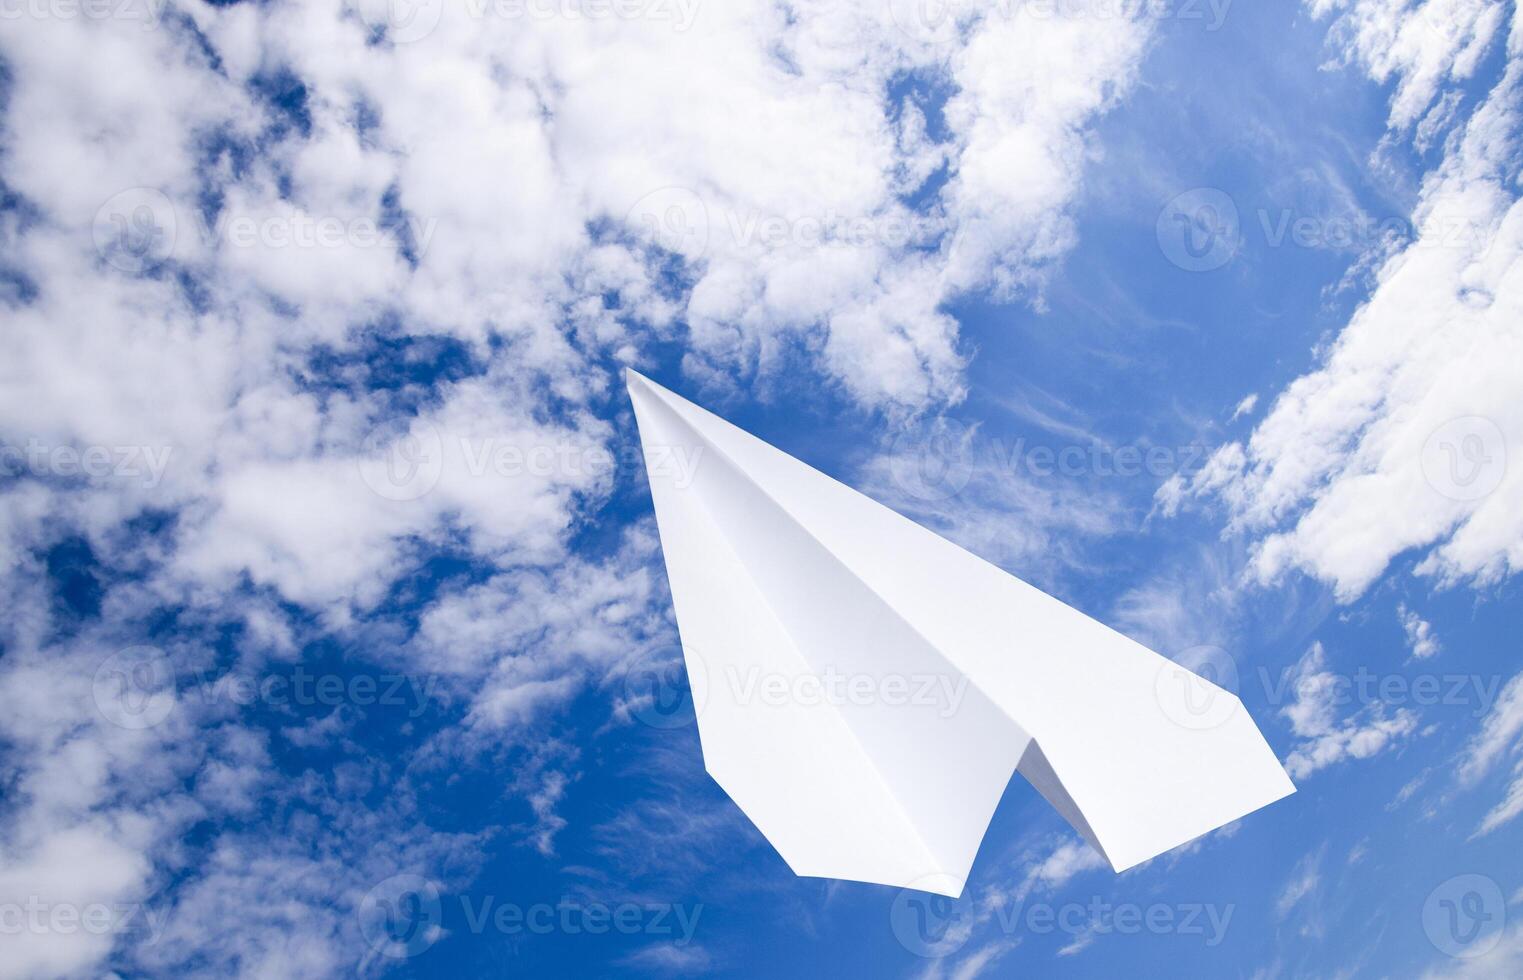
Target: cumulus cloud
<point x="257" y="174"/>
<point x="526" y="640"/>
<point x="112" y="773"/>
<point x="194" y="268"/>
<point x="348" y="295"/>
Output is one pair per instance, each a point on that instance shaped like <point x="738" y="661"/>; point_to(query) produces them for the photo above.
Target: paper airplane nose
<point x="868" y="687"/>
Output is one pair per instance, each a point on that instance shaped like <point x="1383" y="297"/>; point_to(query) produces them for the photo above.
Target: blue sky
<point x="340" y="640"/>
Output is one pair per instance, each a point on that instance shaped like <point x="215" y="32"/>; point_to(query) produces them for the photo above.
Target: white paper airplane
<point x="865" y="688"/>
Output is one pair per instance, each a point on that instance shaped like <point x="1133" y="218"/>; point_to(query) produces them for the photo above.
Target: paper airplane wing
<point x="866" y="688"/>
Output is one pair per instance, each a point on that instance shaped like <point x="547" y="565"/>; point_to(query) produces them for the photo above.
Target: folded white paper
<point x="865" y="689"/>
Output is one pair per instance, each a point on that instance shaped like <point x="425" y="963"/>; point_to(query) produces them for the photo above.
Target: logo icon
<point x="1464" y="916"/>
<point x="664" y="689"/>
<point x="134" y="688"/>
<point x="1200" y="229"/>
<point x="403" y="459"/>
<point x="412" y="20"/>
<point x="400" y="917"/>
<point x="1198" y="689"/>
<point x="933" y="462"/>
<point x="927" y="21"/>
<point x="135" y="230"/>
<point x="1465" y="458"/>
<point x="675" y="219"/>
<point x="928" y="924"/>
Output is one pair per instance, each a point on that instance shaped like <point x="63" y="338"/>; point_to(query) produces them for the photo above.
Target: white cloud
<point x="1497" y="738"/>
<point x="100" y="813"/>
<point x="1498" y="734"/>
<point x="1054" y="869"/>
<point x="977" y="492"/>
<point x="527" y="640"/>
<point x="981" y="960"/>
<point x="666" y="959"/>
<point x="215" y="273"/>
<point x="1303" y="882"/>
<point x="1421" y="44"/>
<point x="1406" y="437"/>
<point x="543" y="802"/>
<point x="1505" y="809"/>
<point x="1502" y="962"/>
<point x="1026" y="84"/>
<point x="285" y="904"/>
<point x="1080" y="942"/>
<point x="531" y="246"/>
<point x="67" y="873"/>
<point x="1044" y="866"/>
<point x="1409" y="789"/>
<point x="1420" y="637"/>
<point x="1187" y="611"/>
<point x="1323" y="737"/>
